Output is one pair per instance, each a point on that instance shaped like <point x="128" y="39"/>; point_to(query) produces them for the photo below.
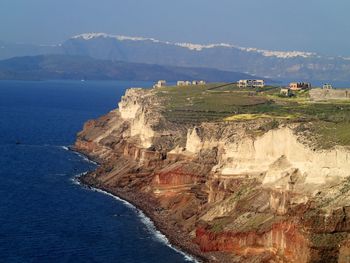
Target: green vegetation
<point x="203" y="103"/>
<point x="220" y="223"/>
<point x="241" y="117"/>
<point x="254" y="222"/>
<point x="244" y="223"/>
<point x="217" y="102"/>
<point x="328" y="134"/>
<point x="327" y="240"/>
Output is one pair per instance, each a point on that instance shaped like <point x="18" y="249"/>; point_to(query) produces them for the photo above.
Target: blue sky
<point x="308" y="25"/>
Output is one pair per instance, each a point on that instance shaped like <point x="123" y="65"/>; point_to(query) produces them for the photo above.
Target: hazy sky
<point x="311" y="25"/>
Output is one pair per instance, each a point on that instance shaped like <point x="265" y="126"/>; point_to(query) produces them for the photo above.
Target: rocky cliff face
<point x="221" y="191"/>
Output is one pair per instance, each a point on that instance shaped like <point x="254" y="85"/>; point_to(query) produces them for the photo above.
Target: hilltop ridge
<point x="198" y="47"/>
<point x="48" y="67"/>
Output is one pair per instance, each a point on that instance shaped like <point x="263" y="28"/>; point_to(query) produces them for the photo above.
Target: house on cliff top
<point x="286" y="92"/>
<point x="251" y="83"/>
<point x="160" y="84"/>
<point x="295" y="86"/>
<point x="189" y="83"/>
<point x="327" y="86"/>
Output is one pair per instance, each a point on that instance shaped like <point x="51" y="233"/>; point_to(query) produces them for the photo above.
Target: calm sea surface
<point x="44" y="215"/>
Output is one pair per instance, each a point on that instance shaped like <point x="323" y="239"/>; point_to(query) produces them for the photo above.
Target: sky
<point x="321" y="26"/>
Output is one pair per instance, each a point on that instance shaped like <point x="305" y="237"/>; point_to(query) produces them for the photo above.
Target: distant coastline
<point x="65" y="67"/>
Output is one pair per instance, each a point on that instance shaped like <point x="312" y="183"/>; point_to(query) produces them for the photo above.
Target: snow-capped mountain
<point x="198" y="47"/>
<point x="297" y="65"/>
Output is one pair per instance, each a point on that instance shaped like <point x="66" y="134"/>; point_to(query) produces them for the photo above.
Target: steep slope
<point x="221" y="191"/>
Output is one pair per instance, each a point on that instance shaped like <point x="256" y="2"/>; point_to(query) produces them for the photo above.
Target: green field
<point x="217" y="103"/>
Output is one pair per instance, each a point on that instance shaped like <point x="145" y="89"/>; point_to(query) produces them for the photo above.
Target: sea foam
<point x="85" y="158"/>
<point x="143" y="218"/>
<point x="64" y="148"/>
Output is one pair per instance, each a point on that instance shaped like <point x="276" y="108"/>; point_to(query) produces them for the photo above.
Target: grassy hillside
<point x="328" y="121"/>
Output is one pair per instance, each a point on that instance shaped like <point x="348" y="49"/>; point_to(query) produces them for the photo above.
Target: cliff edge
<point x="221" y="183"/>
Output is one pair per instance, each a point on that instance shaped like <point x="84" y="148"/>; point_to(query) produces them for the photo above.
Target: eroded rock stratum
<point x="220" y="190"/>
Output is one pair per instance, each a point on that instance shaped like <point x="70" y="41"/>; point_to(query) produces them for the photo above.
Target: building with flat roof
<point x="181" y="83"/>
<point x="327" y="86"/>
<point x="251" y="83"/>
<point x="295" y="86"/>
<point x="159" y="84"/>
<point x="190" y="83"/>
<point x="286" y="92"/>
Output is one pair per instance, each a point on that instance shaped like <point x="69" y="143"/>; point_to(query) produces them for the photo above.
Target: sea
<point x="45" y="214"/>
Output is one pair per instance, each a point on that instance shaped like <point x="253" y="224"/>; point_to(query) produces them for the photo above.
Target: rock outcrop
<point x="221" y="191"/>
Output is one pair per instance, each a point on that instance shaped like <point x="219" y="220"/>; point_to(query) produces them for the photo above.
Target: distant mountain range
<point x="10" y="50"/>
<point x="44" y="67"/>
<point x="271" y="64"/>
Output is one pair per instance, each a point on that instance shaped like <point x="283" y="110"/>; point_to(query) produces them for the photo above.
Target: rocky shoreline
<point x="175" y="236"/>
<point x="245" y="191"/>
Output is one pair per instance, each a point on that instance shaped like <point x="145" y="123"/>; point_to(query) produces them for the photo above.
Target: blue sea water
<point x="44" y="215"/>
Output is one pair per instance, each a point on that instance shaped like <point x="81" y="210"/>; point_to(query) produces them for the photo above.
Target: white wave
<point x="75" y="179"/>
<point x="160" y="236"/>
<point x="144" y="219"/>
<point x="64" y="148"/>
<point x="86" y="159"/>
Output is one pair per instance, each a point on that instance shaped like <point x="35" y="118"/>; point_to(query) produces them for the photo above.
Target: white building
<point x="251" y="83"/>
<point x="286" y="92"/>
<point x="296" y="86"/>
<point x="181" y="83"/>
<point x="190" y="83"/>
<point x="327" y="86"/>
<point x="159" y="84"/>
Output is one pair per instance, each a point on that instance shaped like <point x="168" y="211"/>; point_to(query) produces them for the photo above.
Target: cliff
<point x="226" y="191"/>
